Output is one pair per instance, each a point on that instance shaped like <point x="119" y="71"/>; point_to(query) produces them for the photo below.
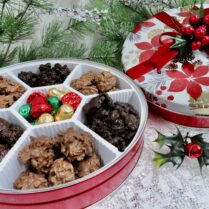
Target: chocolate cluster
<point x="47" y="75"/>
<point x="10" y="92"/>
<point x="93" y="83"/>
<point x="115" y="121"/>
<point x="53" y="161"/>
<point x="9" y="134"/>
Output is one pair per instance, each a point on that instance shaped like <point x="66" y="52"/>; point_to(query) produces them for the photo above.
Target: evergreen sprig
<point x="61" y="40"/>
<point x="17" y="22"/>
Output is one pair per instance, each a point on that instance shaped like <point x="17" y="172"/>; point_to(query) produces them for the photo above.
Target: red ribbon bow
<point x="164" y="53"/>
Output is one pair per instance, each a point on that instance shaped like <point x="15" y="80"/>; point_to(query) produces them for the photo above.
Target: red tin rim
<point x="181" y="119"/>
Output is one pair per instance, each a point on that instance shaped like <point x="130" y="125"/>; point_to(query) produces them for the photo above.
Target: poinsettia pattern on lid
<point x="190" y="79"/>
<point x="148" y="48"/>
<point x="182" y="79"/>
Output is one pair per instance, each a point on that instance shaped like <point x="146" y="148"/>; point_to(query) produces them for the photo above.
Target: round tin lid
<point x="183" y="85"/>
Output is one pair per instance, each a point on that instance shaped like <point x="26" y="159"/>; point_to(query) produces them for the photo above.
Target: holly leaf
<point x="181" y="44"/>
<point x="160" y="159"/>
<point x="204" y="159"/>
<point x="176" y="140"/>
<point x="176" y="152"/>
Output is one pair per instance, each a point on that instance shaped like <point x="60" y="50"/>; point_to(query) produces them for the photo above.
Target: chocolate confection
<point x="39" y="154"/>
<point x="4" y="149"/>
<point x="10" y="92"/>
<point x="47" y="75"/>
<point x="9" y="134"/>
<point x="52" y="161"/>
<point x="30" y="180"/>
<point x="61" y="172"/>
<point x="76" y="145"/>
<point x="88" y="165"/>
<point x="116" y="122"/>
<point x="93" y="83"/>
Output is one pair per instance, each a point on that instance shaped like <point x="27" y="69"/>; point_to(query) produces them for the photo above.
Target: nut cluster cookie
<point x="10" y="92"/>
<point x="54" y="161"/>
<point x="93" y="83"/>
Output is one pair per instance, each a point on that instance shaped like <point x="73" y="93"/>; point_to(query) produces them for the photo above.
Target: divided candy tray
<point x="84" y="191"/>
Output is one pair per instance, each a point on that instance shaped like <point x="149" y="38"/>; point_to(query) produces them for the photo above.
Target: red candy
<point x="36" y="99"/>
<point x="71" y="99"/>
<point x="38" y="109"/>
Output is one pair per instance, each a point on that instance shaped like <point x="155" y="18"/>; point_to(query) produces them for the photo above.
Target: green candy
<point x="55" y="103"/>
<point x="54" y="111"/>
<point x="33" y="123"/>
<point x="24" y="111"/>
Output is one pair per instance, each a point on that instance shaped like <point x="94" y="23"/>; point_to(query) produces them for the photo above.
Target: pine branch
<point x="56" y="43"/>
<point x="52" y="34"/>
<point x="28" y="53"/>
<point x="105" y="52"/>
<point x="79" y="29"/>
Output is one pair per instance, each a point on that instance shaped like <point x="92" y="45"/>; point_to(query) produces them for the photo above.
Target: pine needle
<point x="52" y="34"/>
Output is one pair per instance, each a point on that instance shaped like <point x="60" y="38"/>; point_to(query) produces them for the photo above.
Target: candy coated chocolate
<point x="37" y="110"/>
<point x="54" y="102"/>
<point x="36" y="98"/>
<point x="72" y="99"/>
<point x="24" y="111"/>
<point x="45" y="118"/>
<point x="65" y="112"/>
<point x="57" y="92"/>
<point x="54" y="111"/>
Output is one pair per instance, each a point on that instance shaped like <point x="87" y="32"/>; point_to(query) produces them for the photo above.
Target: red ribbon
<point x="164" y="53"/>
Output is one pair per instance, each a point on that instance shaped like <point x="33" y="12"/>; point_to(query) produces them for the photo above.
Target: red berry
<point x="158" y="92"/>
<point x="170" y="98"/>
<point x="206" y="19"/>
<point x="205" y="40"/>
<point x="200" y="32"/>
<point x="163" y="88"/>
<point x="183" y="29"/>
<point x="196" y="45"/>
<point x="194" y="19"/>
<point x="193" y="150"/>
<point x="189" y="30"/>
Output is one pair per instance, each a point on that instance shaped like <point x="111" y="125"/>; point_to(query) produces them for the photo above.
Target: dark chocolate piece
<point x="116" y="122"/>
<point x="48" y="75"/>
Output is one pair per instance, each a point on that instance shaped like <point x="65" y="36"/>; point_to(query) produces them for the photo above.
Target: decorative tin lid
<point x="183" y="84"/>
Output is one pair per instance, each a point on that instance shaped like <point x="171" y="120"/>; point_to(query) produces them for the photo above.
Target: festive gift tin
<point x="64" y="155"/>
<point x="167" y="56"/>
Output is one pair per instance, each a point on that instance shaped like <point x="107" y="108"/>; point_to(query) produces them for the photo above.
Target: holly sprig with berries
<point x="194" y="36"/>
<point x="193" y="147"/>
